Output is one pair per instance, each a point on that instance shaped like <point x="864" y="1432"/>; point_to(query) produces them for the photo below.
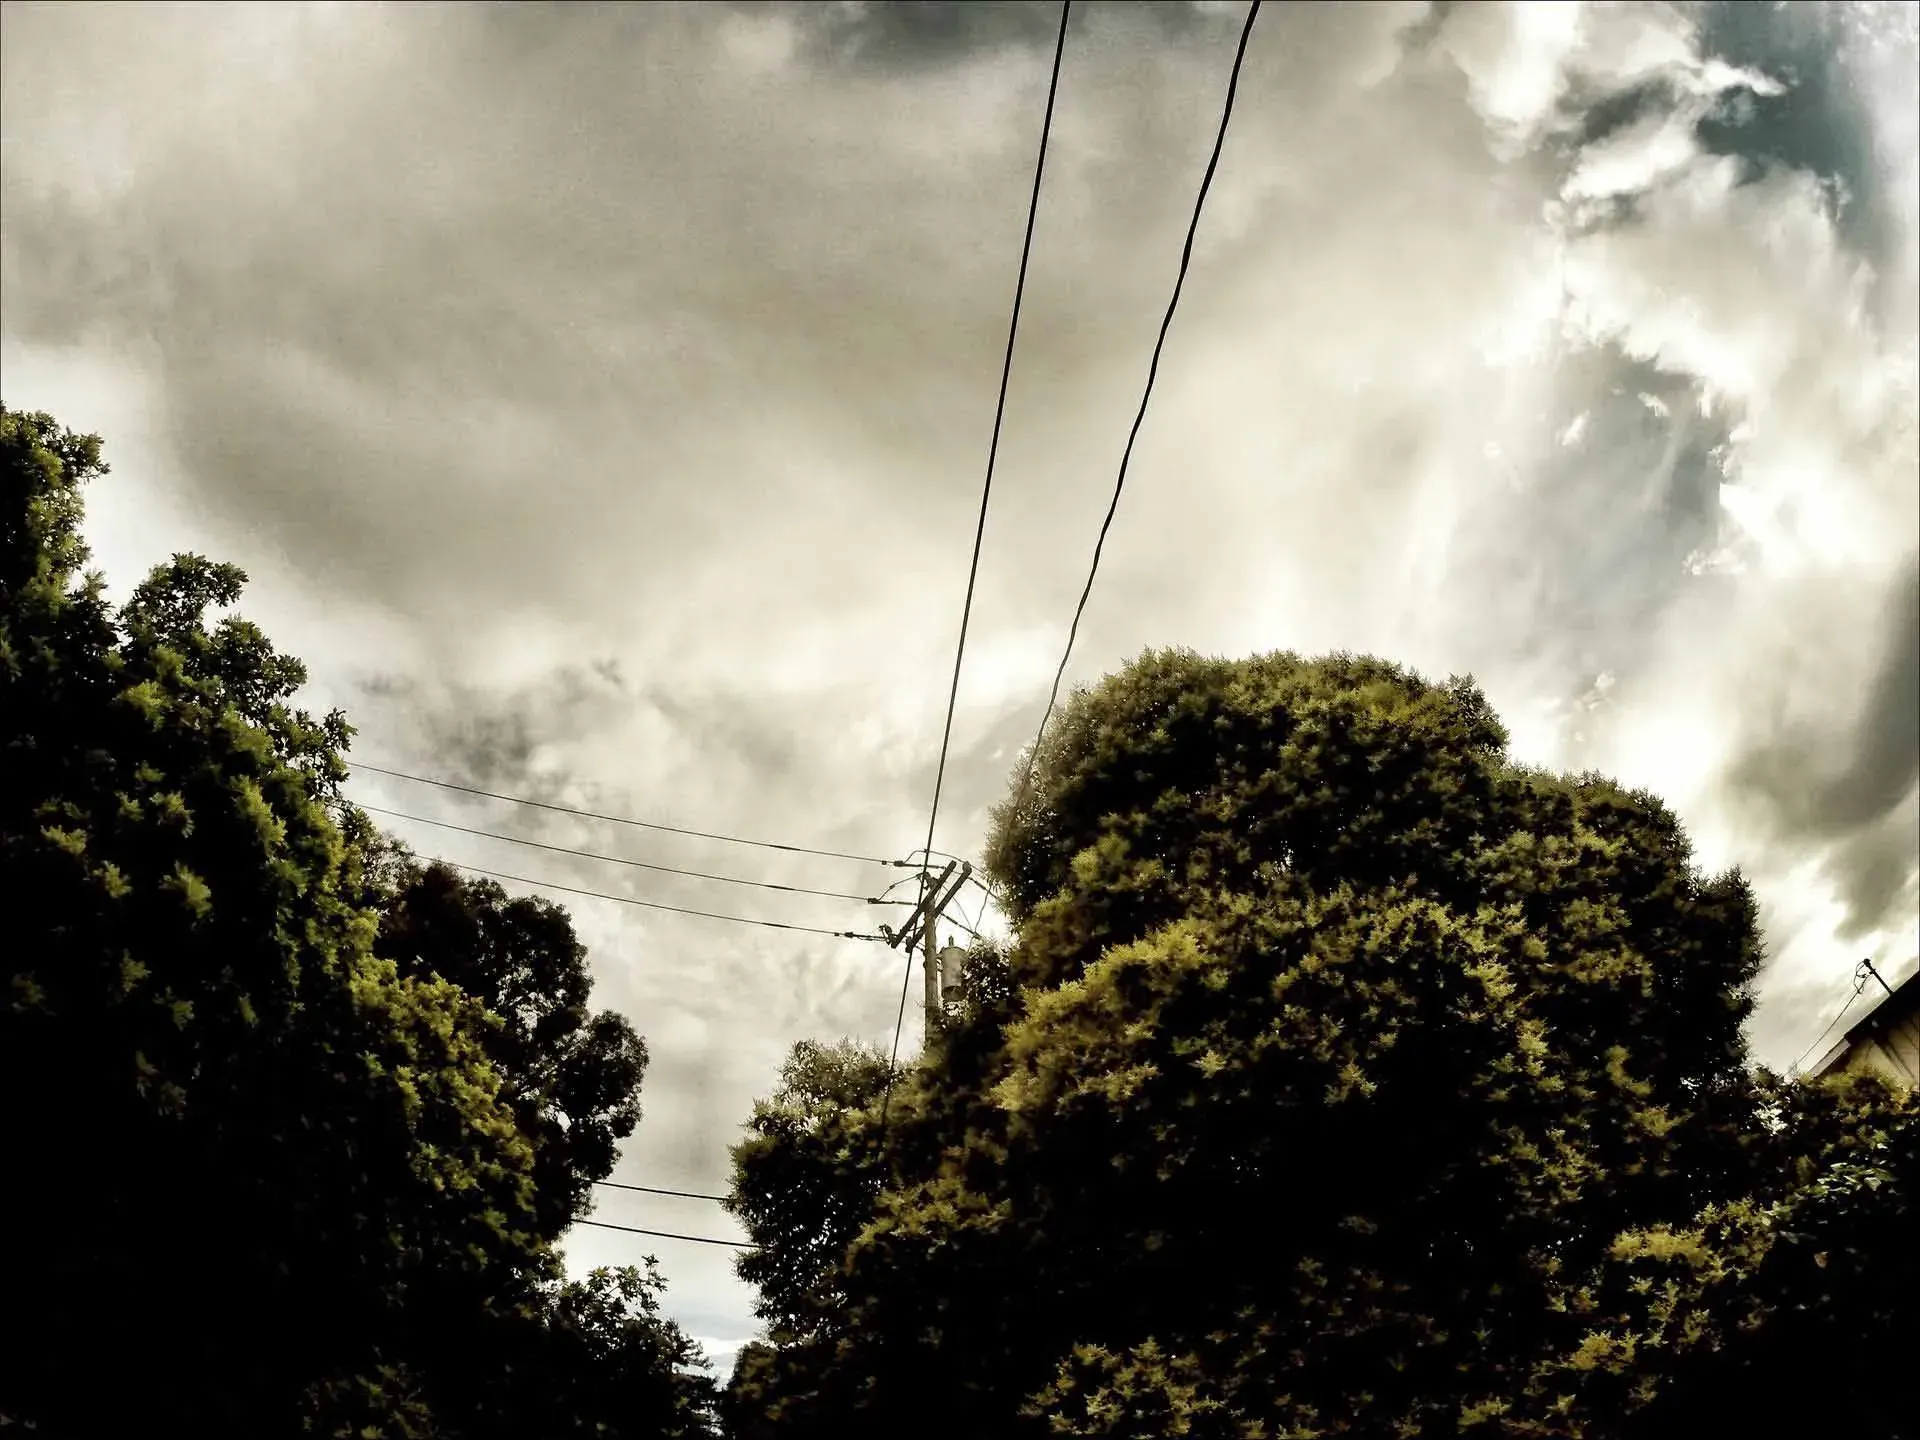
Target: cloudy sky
<point x="598" y="398"/>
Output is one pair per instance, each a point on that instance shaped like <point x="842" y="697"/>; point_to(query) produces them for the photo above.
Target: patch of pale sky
<point x="759" y="41"/>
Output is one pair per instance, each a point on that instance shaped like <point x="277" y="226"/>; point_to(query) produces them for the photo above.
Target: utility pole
<point x="934" y="899"/>
<point x="1866" y="968"/>
<point x="930" y="973"/>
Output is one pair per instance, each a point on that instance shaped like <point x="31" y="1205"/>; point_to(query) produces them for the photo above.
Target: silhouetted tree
<point x="1333" y="1053"/>
<point x="1790" y="1310"/>
<point x="572" y="1075"/>
<point x="261" y="1182"/>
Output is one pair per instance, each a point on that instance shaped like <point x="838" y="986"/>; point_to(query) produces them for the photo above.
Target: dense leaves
<point x="1336" y="1059"/>
<point x="1787" y="1311"/>
<point x="1343" y="1078"/>
<point x="572" y="1075"/>
<point x="804" y="1181"/>
<point x="233" y="1097"/>
<point x="262" y="1180"/>
<point x="589" y="1358"/>
<point x="804" y="1185"/>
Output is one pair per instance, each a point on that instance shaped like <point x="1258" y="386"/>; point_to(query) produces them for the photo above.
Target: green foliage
<point x="385" y="1403"/>
<point x="588" y="1358"/>
<point x="804" y="1180"/>
<point x="1786" y="1311"/>
<point x="1333" y="1053"/>
<point x="750" y="1407"/>
<point x="628" y="1366"/>
<point x="572" y="1075"/>
<point x="804" y="1183"/>
<point x="233" y="1095"/>
<point x="264" y="1181"/>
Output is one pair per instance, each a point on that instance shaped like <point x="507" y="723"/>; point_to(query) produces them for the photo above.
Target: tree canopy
<point x="1787" y="1311"/>
<point x="1342" y="1078"/>
<point x="804" y="1178"/>
<point x="266" y="1179"/>
<point x="1341" y="1068"/>
<point x="572" y="1074"/>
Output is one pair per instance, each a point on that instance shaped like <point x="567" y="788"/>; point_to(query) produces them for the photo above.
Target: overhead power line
<point x="905" y="880"/>
<point x="669" y="1234"/>
<point x="626" y="820"/>
<point x="652" y="904"/>
<point x="935" y="854"/>
<point x="956" y="920"/>
<point x="980" y="911"/>
<point x="1860" y="974"/>
<point x="635" y="864"/>
<point x="968" y="878"/>
<point x="656" y="1190"/>
<point x="986" y="492"/>
<point x="1153" y="369"/>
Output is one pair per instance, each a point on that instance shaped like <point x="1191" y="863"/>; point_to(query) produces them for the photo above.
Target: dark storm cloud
<point x="767" y="761"/>
<point x="1853" y="784"/>
<point x="1619" y="486"/>
<point x="736" y="726"/>
<point x="1884" y="751"/>
<point x="1849" y="778"/>
<point x="504" y="739"/>
<point x="931" y="33"/>
<point x="1849" y="784"/>
<point x="1874" y="868"/>
<point x="491" y="741"/>
<point x="1596" y="117"/>
<point x="544" y="265"/>
<point x="466" y="289"/>
<point x="1820" y="122"/>
<point x="1617" y="516"/>
<point x="1816" y="117"/>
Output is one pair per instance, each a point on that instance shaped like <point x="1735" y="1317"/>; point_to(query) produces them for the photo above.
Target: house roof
<point x="1905" y="996"/>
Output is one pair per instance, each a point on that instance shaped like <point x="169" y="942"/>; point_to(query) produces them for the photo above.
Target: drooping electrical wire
<point x="1153" y="369"/>
<point x="956" y="921"/>
<point x="635" y="864"/>
<point x="1859" y="987"/>
<point x="980" y="911"/>
<point x="904" y="880"/>
<point x="652" y="904"/>
<point x="669" y="1234"/>
<point x="656" y="1190"/>
<point x="980" y="523"/>
<point x="933" y="854"/>
<point x="626" y="820"/>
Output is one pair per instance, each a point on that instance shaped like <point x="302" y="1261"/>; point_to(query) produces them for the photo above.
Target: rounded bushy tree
<point x="1336" y="1043"/>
